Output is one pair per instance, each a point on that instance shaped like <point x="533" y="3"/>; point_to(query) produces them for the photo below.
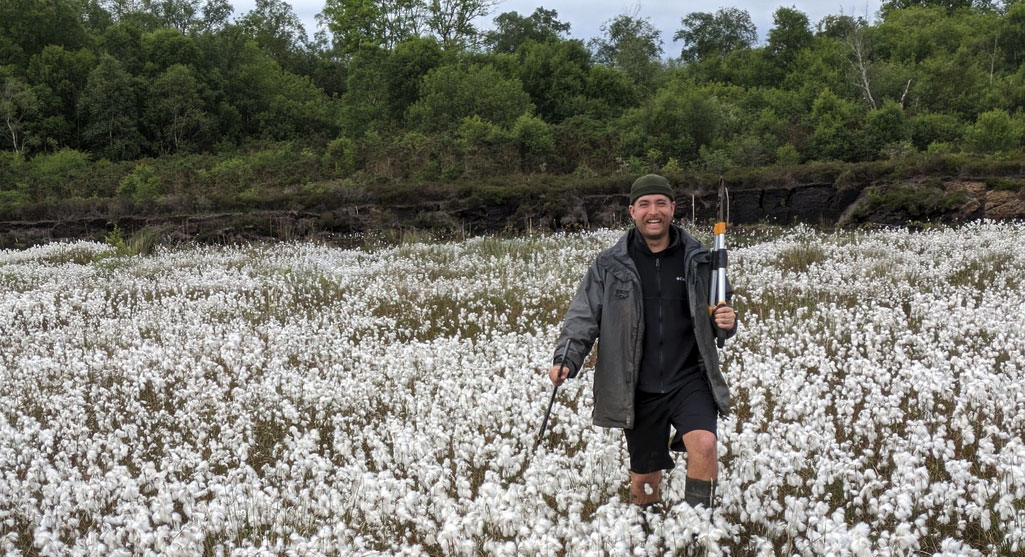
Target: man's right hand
<point x="558" y="374"/>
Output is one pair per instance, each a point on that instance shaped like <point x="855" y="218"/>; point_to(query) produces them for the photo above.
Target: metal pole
<point x="717" y="287"/>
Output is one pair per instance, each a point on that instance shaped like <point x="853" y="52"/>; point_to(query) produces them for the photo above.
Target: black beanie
<point x="649" y="184"/>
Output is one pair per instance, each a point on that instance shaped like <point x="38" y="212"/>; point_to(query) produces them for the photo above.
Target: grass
<point x="910" y="201"/>
<point x="799" y="258"/>
<point x="983" y="271"/>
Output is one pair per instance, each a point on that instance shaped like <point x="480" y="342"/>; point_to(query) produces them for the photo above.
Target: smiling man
<point x="645" y="298"/>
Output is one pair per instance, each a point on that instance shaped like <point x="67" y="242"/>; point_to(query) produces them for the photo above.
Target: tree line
<point x="412" y="91"/>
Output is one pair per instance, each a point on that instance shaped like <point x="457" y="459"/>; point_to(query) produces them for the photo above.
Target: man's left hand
<point x="725" y="318"/>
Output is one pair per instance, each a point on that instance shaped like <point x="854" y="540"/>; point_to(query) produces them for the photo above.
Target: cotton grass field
<point x="308" y="400"/>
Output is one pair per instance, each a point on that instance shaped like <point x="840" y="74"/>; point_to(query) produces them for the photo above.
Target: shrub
<point x="535" y="141"/>
<point x="919" y="201"/>
<point x="930" y="128"/>
<point x="232" y="174"/>
<point x="899" y="150"/>
<point x="995" y="131"/>
<point x="787" y="155"/>
<point x="340" y="157"/>
<point x="53" y="176"/>
<point x="141" y="185"/>
<point x="672" y="166"/>
<point x="1003" y="184"/>
<point x="713" y="160"/>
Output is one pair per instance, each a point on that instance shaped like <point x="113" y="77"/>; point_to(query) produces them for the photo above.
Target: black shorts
<point x="689" y="408"/>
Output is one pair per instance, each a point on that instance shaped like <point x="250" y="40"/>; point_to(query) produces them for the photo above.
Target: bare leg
<point x="637" y="482"/>
<point x="702" y="468"/>
<point x="702" y="455"/>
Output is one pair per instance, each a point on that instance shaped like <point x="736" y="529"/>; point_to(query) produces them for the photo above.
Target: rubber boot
<point x="699" y="492"/>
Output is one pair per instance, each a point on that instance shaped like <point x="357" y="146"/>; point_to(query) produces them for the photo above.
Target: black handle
<point x="548" y="412"/>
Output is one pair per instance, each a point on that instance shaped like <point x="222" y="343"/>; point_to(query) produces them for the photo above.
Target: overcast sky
<point x="586" y="16"/>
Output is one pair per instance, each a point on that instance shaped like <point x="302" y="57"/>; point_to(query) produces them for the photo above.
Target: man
<point x="646" y="299"/>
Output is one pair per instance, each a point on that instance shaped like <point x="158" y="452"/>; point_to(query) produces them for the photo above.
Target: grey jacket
<point x="609" y="304"/>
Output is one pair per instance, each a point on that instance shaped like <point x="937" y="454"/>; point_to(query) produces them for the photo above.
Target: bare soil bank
<point x="343" y="220"/>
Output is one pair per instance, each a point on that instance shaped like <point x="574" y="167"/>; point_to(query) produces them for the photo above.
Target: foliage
<point x="535" y="141"/>
<point x="1004" y="184"/>
<point x="911" y="201"/>
<point x="57" y="175"/>
<point x="513" y="30"/>
<point x="705" y="35"/>
<point x="995" y="131"/>
<point x="787" y="155"/>
<point x="18" y="106"/>
<point x="791" y="34"/>
<point x="676" y="121"/>
<point x="631" y="44"/>
<point x="109" y="106"/>
<point x="141" y="185"/>
<point x="449" y="94"/>
<point x="401" y="88"/>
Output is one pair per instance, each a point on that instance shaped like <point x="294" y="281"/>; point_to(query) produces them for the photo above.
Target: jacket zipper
<point x="661" y="329"/>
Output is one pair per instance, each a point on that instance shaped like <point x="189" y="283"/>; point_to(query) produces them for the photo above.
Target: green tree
<point x="609" y="92"/>
<point x="452" y="20"/>
<point x="123" y="41"/>
<point x="890" y="6"/>
<point x="28" y="26"/>
<point x="585" y="145"/>
<point x="451" y="93"/>
<point x="365" y="103"/>
<point x="61" y="76"/>
<point x="791" y="33"/>
<point x="631" y="44"/>
<point x="932" y="127"/>
<point x="166" y="47"/>
<point x="745" y="67"/>
<point x="19" y="106"/>
<point x="824" y="64"/>
<point x="280" y="34"/>
<point x="995" y="131"/>
<point x="356" y="25"/>
<point x="555" y="75"/>
<point x="705" y="35"/>
<point x="885" y="126"/>
<point x="59" y="175"/>
<point x="175" y="112"/>
<point x="836" y="135"/>
<point x="186" y="16"/>
<point x="1013" y="34"/>
<point x="487" y="149"/>
<point x="404" y="68"/>
<point x="215" y="16"/>
<point x="955" y="84"/>
<point x="839" y="27"/>
<point x="295" y="108"/>
<point x="512" y="30"/>
<point x="535" y="141"/>
<point x="183" y="15"/>
<point x="678" y="120"/>
<point x="108" y="105"/>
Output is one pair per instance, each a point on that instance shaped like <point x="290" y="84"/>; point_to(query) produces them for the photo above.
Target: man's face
<point x="652" y="214"/>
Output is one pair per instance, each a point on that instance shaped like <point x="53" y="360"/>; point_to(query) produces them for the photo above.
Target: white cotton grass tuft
<point x="303" y="399"/>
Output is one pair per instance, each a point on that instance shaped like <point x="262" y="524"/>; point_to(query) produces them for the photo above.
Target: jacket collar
<point x="620" y="252"/>
<point x="640" y="245"/>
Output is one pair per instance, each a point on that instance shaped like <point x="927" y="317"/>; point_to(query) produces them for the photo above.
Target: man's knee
<point x="701" y="444"/>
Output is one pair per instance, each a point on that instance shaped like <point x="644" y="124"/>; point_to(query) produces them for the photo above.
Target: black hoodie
<point x="670" y="357"/>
